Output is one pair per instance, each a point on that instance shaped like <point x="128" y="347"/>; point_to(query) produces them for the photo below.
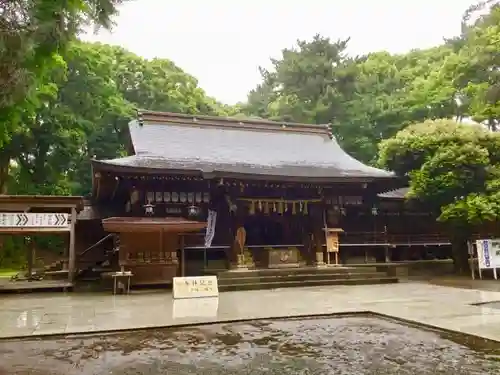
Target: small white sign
<point x="488" y="253"/>
<point x="34" y="220"/>
<point x="195" y="287"/>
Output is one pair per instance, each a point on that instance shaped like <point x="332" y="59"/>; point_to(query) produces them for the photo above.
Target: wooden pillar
<point x="30" y="249"/>
<point x="308" y="251"/>
<point x="235" y="222"/>
<point x="317" y="221"/>
<point x="72" y="253"/>
<point x="183" y="256"/>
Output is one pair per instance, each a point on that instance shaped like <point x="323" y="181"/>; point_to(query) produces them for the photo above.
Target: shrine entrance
<point x="33" y="216"/>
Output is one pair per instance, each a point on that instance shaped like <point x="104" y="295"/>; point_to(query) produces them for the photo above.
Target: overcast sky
<point x="222" y="42"/>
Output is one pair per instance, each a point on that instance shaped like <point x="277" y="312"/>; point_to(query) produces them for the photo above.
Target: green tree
<point x="474" y="71"/>
<point x="390" y="92"/>
<point x="453" y="170"/>
<point x="97" y="93"/>
<point x="366" y="99"/>
<point x="305" y="85"/>
<point x="33" y="34"/>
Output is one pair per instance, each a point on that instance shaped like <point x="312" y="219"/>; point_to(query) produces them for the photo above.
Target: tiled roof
<point x="220" y="146"/>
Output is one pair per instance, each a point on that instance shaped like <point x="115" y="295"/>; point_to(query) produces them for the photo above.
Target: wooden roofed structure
<point x="255" y="174"/>
<point x="215" y="147"/>
<point x="28" y="215"/>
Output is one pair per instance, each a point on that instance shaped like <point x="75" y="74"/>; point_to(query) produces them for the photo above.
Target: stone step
<point x="321" y="282"/>
<point x="300" y="277"/>
<point x="291" y="271"/>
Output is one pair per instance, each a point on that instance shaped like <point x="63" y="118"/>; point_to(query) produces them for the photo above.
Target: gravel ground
<point x="350" y="346"/>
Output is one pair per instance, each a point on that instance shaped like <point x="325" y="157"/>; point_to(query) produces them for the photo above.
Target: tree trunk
<point x="460" y="252"/>
<point x="4" y="174"/>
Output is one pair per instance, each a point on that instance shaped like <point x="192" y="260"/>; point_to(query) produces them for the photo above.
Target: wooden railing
<point x="391" y="239"/>
<point x="95" y="245"/>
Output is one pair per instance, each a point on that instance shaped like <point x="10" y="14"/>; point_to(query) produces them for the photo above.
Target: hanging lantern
<point x="280" y="208"/>
<point x="183" y="197"/>
<point x="175" y="197"/>
<point x="190" y="197"/>
<point x="374" y="211"/>
<point x="342" y="211"/>
<point x="193" y="211"/>
<point x="149" y="209"/>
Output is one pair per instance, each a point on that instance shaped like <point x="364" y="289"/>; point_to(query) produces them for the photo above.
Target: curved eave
<point x="118" y="166"/>
<point x="111" y="166"/>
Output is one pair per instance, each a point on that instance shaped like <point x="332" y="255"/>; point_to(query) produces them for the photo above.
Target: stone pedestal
<point x="240" y="263"/>
<point x="320" y="260"/>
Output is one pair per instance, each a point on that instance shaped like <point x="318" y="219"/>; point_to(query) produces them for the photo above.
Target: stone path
<point x="439" y="306"/>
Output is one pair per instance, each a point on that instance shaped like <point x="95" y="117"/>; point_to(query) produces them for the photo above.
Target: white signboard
<point x="488" y="253"/>
<point x="33" y="220"/>
<point x="195" y="287"/>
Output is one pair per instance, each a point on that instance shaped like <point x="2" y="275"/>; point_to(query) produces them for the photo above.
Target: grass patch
<point x="7" y="272"/>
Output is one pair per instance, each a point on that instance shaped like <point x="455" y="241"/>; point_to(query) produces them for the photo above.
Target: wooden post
<point x="29" y="243"/>
<point x="72" y="254"/>
<point x="183" y="257"/>
<point x="470" y="248"/>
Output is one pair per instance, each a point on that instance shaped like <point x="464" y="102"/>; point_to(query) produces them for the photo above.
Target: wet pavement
<point x="466" y="282"/>
<point x="442" y="307"/>
<point x="349" y="345"/>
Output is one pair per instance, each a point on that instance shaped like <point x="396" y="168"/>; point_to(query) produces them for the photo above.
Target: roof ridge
<point x="230" y="122"/>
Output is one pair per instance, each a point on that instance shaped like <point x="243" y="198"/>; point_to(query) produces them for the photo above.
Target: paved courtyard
<point x="440" y="306"/>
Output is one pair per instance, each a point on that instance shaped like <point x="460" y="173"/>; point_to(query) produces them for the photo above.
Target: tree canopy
<point x="64" y="101"/>
<point x="453" y="169"/>
<point x="51" y="126"/>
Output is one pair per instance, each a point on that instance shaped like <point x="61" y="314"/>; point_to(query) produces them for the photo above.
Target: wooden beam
<point x="72" y="253"/>
<point x="31" y="230"/>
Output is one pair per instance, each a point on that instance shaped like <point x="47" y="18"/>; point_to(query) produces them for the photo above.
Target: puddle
<point x="493" y="304"/>
<point x="343" y="346"/>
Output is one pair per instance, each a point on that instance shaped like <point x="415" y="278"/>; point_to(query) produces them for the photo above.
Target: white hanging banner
<point x="209" y="234"/>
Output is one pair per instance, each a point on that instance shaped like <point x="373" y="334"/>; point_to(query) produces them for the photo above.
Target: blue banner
<point x="486" y="252"/>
